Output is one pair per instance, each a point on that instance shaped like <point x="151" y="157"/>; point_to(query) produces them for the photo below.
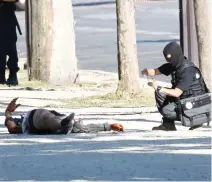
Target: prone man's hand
<point x="117" y="127"/>
<point x="12" y="106"/>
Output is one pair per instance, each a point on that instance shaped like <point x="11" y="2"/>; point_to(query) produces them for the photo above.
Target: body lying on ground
<point x="44" y="121"/>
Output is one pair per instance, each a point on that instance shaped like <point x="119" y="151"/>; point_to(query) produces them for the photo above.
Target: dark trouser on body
<point x="8" y="48"/>
<point x="168" y="109"/>
<point x="43" y="121"/>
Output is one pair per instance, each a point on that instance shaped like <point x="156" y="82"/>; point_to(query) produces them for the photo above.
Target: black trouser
<point x="8" y="48"/>
<point x="167" y="107"/>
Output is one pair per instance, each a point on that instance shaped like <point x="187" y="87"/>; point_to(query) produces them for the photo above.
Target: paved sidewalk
<point x="138" y="154"/>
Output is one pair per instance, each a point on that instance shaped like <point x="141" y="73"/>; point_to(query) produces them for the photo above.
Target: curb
<point x="99" y="110"/>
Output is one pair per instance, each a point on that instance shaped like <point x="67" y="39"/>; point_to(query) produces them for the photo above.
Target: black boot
<point x="67" y="124"/>
<point x="12" y="80"/>
<point x="2" y="76"/>
<point x="68" y="120"/>
<point x="167" y="125"/>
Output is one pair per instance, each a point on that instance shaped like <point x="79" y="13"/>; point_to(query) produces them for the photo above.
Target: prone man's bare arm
<point x="9" y="123"/>
<point x="11" y="126"/>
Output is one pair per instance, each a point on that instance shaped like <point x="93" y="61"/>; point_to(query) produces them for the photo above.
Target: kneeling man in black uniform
<point x="188" y="100"/>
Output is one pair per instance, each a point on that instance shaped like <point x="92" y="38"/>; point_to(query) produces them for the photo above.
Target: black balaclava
<point x="176" y="53"/>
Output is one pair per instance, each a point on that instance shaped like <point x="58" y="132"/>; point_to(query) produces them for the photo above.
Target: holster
<point x="195" y="110"/>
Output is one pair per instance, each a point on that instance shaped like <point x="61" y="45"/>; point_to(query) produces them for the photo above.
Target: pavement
<point x="137" y="154"/>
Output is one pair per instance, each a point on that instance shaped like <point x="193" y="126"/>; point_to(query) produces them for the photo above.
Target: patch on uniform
<point x="189" y="105"/>
<point x="168" y="56"/>
<point x="197" y="75"/>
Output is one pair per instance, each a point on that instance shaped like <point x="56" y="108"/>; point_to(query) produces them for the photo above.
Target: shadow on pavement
<point x="91" y="158"/>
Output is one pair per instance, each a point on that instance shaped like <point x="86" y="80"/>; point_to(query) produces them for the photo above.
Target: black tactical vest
<point x="198" y="86"/>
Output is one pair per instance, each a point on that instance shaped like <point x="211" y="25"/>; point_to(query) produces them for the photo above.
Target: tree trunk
<point x="188" y="37"/>
<point x="203" y="14"/>
<point x="53" y="57"/>
<point x="128" y="68"/>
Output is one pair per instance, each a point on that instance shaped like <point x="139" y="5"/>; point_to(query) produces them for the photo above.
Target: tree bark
<point x="203" y="14"/>
<point x="188" y="37"/>
<point x="53" y="56"/>
<point x="128" y="68"/>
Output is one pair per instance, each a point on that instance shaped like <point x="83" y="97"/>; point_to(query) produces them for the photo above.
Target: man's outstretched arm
<point x="93" y="128"/>
<point x="9" y="123"/>
<point x="12" y="127"/>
